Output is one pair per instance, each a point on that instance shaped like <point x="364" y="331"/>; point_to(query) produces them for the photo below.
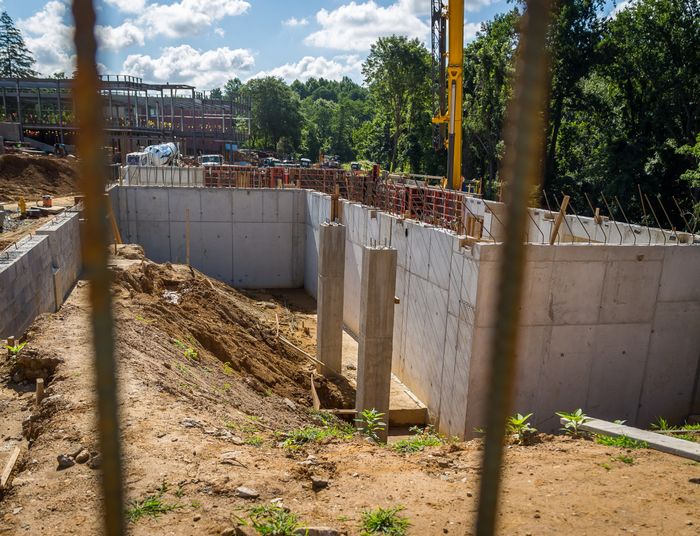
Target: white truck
<point x="211" y="160"/>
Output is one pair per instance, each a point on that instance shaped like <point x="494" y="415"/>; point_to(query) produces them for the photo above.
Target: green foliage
<point x="16" y="60"/>
<point x="255" y="441"/>
<point x="313" y="434"/>
<point x="370" y="423"/>
<point x="188" y="351"/>
<point x="272" y="520"/>
<point x="573" y="421"/>
<point x="16" y="349"/>
<point x="621" y="441"/>
<point x="518" y="427"/>
<point x="384" y="521"/>
<point x="628" y="460"/>
<point x="663" y="425"/>
<point x="227" y="369"/>
<point x="151" y="506"/>
<point x="423" y="437"/>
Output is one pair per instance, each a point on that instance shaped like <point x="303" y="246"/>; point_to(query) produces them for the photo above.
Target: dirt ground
<point x="204" y="428"/>
<point x="33" y="176"/>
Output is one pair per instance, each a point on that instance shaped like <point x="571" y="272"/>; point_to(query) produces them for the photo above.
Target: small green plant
<point x="621" y="441"/>
<point x="518" y="427"/>
<point x="423" y="437"/>
<point x="663" y="425"/>
<point x="370" y="423"/>
<point x="255" y="441"/>
<point x="660" y="424"/>
<point x="314" y="434"/>
<point x="273" y="520"/>
<point x="15" y="349"/>
<point x="384" y="521"/>
<point x="188" y="351"/>
<point x="227" y="369"/>
<point x="573" y="422"/>
<point x="606" y="466"/>
<point x="143" y="320"/>
<point x="629" y="460"/>
<point x="151" y="506"/>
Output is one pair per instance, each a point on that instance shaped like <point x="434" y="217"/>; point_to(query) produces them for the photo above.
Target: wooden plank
<point x="314" y="394"/>
<point x="662" y="443"/>
<point x="9" y="467"/>
<point x="559" y="220"/>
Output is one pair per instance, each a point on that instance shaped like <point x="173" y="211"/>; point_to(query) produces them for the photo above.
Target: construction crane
<point x="447" y="37"/>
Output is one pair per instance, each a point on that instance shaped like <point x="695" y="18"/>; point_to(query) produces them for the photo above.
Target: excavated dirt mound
<point x="34" y="176"/>
<point x="204" y="315"/>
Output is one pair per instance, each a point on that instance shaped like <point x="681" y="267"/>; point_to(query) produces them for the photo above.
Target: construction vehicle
<point x="447" y="38"/>
<point x="165" y="154"/>
<point x="211" y="160"/>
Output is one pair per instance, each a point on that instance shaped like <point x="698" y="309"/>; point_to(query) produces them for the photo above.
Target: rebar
<point x="611" y="217"/>
<point x="622" y="211"/>
<point x="524" y="136"/>
<point x="673" y="227"/>
<point x="88" y="106"/>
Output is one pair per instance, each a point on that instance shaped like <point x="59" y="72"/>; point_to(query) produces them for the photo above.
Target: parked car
<point x="355" y="166"/>
<point x="305" y="163"/>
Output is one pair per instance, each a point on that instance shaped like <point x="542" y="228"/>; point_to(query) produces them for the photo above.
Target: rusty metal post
<point x="524" y="137"/>
<point x="88" y="104"/>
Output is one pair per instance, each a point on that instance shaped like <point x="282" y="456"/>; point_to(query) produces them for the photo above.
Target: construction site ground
<point x="208" y="393"/>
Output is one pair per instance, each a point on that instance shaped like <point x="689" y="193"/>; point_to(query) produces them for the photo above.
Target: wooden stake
<point x="596" y="217"/>
<point x="9" y="467"/>
<point x="559" y="220"/>
<point x="187" y="236"/>
<point x="113" y="223"/>
<point x="39" y="390"/>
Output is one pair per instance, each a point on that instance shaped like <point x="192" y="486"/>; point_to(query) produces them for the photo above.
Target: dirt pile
<point x="203" y="315"/>
<point x="34" y="176"/>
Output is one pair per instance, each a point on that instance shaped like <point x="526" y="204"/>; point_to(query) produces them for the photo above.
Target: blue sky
<point x="206" y="42"/>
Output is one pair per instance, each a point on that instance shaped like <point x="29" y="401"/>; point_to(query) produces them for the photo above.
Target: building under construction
<point x="40" y="111"/>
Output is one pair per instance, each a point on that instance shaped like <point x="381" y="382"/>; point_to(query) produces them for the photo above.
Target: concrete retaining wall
<point x="248" y="238"/>
<point x="37" y="275"/>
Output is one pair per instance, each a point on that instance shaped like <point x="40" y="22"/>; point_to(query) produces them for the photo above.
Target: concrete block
<point x="262" y="255"/>
<point x="399" y="241"/>
<point x="580" y="252"/>
<point x="286" y="206"/>
<point x="356" y="223"/>
<point x="634" y="253"/>
<point x="298" y="254"/>
<point x="537" y="291"/>
<point x="455" y="377"/>
<point x="629" y="291"/>
<point x="487" y="293"/>
<point x="533" y="345"/>
<point x="331" y="269"/>
<point x="539" y="252"/>
<point x="217" y="204"/>
<point x="182" y="199"/>
<point x="679" y="276"/>
<point x="353" y="270"/>
<point x="178" y="245"/>
<point x="247" y="205"/>
<point x="373" y="227"/>
<point x="617" y="370"/>
<point x="672" y="363"/>
<point x="456" y="281"/>
<point x="311" y="260"/>
<point x="565" y="375"/>
<point x="577" y="289"/>
<point x="478" y="387"/>
<point x="324" y="208"/>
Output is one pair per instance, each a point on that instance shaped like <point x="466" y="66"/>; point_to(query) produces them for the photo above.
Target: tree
<point x="232" y="88"/>
<point x="397" y="73"/>
<point x="216" y="93"/>
<point x="16" y="60"/>
<point x="275" y="113"/>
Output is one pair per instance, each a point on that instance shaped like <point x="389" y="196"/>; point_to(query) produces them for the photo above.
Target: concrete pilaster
<point x="331" y="273"/>
<point x="377" y="291"/>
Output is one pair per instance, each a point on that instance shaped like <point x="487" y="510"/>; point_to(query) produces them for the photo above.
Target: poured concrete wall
<point x="37" y="274"/>
<point x="248" y="238"/>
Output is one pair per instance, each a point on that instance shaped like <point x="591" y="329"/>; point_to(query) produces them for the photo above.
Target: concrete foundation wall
<point x="37" y="275"/>
<point x="248" y="238"/>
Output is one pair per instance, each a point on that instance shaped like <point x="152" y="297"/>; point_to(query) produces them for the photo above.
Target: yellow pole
<point x="455" y="13"/>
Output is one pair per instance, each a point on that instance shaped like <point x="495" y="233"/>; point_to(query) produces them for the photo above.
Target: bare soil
<point x="204" y="429"/>
<point x="33" y="176"/>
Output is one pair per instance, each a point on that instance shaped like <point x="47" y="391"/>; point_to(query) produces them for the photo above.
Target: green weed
<point x="662" y="424"/>
<point x="519" y="428"/>
<point x="227" y="369"/>
<point x="423" y="437"/>
<point x="573" y="422"/>
<point x="384" y="521"/>
<point x="151" y="506"/>
<point x="314" y="434"/>
<point x="629" y="460"/>
<point x="15" y="349"/>
<point x="188" y="351"/>
<point x="621" y="441"/>
<point x="370" y="423"/>
<point x="255" y="441"/>
<point x="271" y="520"/>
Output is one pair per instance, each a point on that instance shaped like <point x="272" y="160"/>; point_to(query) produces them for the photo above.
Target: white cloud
<point x="117" y="37"/>
<point x="317" y="67"/>
<point x="355" y="26"/>
<point x="621" y="7"/>
<point x="470" y="29"/>
<point x="293" y="22"/>
<point x="220" y="32"/>
<point x="128" y="6"/>
<point x="49" y="38"/>
<point x="184" y="64"/>
<point x="188" y="17"/>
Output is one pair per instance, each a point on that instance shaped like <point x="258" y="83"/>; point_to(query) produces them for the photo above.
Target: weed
<point x="662" y="424"/>
<point x="370" y="421"/>
<point x="518" y="427"/>
<point x="629" y="460"/>
<point x="143" y="320"/>
<point x="188" y="351"/>
<point x="343" y="519"/>
<point x="423" y="437"/>
<point x="621" y="441"/>
<point x="16" y="349"/>
<point x="272" y="520"/>
<point x="227" y="369"/>
<point x="191" y="353"/>
<point x="227" y="386"/>
<point x="384" y="521"/>
<point x="255" y="441"/>
<point x="606" y="466"/>
<point x="196" y="504"/>
<point x="313" y="434"/>
<point x="151" y="506"/>
<point x="179" y="492"/>
<point x="573" y="422"/>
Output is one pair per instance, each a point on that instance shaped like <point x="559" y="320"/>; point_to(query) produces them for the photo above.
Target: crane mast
<point x="447" y="28"/>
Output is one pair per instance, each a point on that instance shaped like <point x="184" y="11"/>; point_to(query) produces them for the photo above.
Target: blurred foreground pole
<point x="88" y="104"/>
<point x="522" y="168"/>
